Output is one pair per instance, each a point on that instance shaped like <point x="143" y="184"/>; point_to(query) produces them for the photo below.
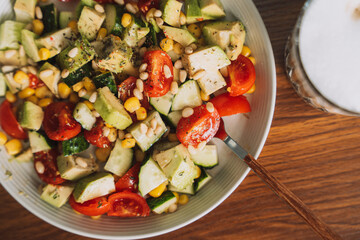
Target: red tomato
<point x="51" y="174"/>
<point x="241" y="76"/>
<point x="35" y="82"/>
<point x="201" y="126"/>
<point x="130" y="180"/>
<point x="9" y="123"/>
<point x="95" y="135"/>
<point x="157" y="84"/>
<point x="93" y="207"/>
<point x="146" y="5"/>
<point x="227" y="105"/>
<point x="59" y="123"/>
<point x="126" y="90"/>
<point x="128" y="204"/>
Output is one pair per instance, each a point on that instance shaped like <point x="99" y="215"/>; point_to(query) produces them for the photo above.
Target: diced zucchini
<point x="162" y="203"/>
<point x="17" y="58"/>
<point x="207" y="158"/>
<point x="52" y="80"/>
<point x="78" y="75"/>
<point x="75" y="145"/>
<point x="202" y="180"/>
<point x="174" y="118"/>
<point x="164" y="145"/>
<point x="70" y="169"/>
<point x="25" y="10"/>
<point x="82" y="4"/>
<point x="29" y="43"/>
<point x="31" y="116"/>
<point x="50" y="18"/>
<point x="90" y="22"/>
<point x="182" y="36"/>
<point x="2" y="85"/>
<point x="188" y="95"/>
<point x="162" y="104"/>
<point x="120" y="159"/>
<point x="113" y="19"/>
<point x="10" y="34"/>
<point x="134" y="32"/>
<point x="188" y="190"/>
<point x="150" y="176"/>
<point x="65" y="18"/>
<point x="106" y="80"/>
<point x="84" y="116"/>
<point x="143" y="141"/>
<point x="39" y="142"/>
<point x="25" y="156"/>
<point x="57" y="195"/>
<point x="171" y="12"/>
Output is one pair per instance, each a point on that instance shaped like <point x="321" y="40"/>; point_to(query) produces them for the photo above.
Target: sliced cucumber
<point x="84" y="116"/>
<point x="202" y="180"/>
<point x="188" y="96"/>
<point x="29" y="44"/>
<point x="39" y="142"/>
<point x="162" y="203"/>
<point x="10" y="35"/>
<point x="162" y="104"/>
<point x="31" y="116"/>
<point x="120" y="159"/>
<point x="75" y="145"/>
<point x="113" y="19"/>
<point x="150" y="176"/>
<point x="174" y="118"/>
<point x="50" y="18"/>
<point x="207" y="158"/>
<point x="106" y="80"/>
<point x="65" y="18"/>
<point x="2" y="85"/>
<point x="57" y="195"/>
<point x="188" y="190"/>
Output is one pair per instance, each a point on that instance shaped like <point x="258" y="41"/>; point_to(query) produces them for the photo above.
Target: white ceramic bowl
<point x="250" y="132"/>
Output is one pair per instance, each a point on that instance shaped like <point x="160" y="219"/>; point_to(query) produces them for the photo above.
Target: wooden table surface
<point x="317" y="155"/>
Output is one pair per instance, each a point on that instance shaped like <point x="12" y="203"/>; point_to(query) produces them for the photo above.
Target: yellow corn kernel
<point x="102" y="154"/>
<point x="172" y="137"/>
<point x="96" y="217"/>
<point x="88" y="84"/>
<point x="126" y="20"/>
<point x="177" y="196"/>
<point x="158" y="190"/>
<point x="132" y="104"/>
<point x="252" y="59"/>
<point x="38" y="26"/>
<point x="178" y="48"/>
<point x="74" y="98"/>
<point x="167" y="44"/>
<point x="141" y="114"/>
<point x="3" y="138"/>
<point x="44" y="54"/>
<point x="13" y="146"/>
<point x="252" y="89"/>
<point x="245" y="51"/>
<point x="101" y="34"/>
<point x="198" y="172"/>
<point x="78" y="86"/>
<point x="33" y="99"/>
<point x="204" y="97"/>
<point x="43" y="92"/>
<point x="183" y="199"/>
<point x="21" y="77"/>
<point x="89" y="105"/>
<point x="64" y="90"/>
<point x="27" y="92"/>
<point x="45" y="102"/>
<point x="128" y="143"/>
<point x="10" y="97"/>
<point x="73" y="25"/>
<point x="194" y="30"/>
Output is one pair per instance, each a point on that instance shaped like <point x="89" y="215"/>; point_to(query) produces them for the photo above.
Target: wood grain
<point x="315" y="154"/>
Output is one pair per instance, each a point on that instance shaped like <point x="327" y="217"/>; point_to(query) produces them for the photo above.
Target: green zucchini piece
<point x="50" y="18"/>
<point x="202" y="180"/>
<point x="78" y="75"/>
<point x="113" y="19"/>
<point x="65" y="18"/>
<point x="106" y="80"/>
<point x="162" y="203"/>
<point x="75" y="145"/>
<point x="39" y="141"/>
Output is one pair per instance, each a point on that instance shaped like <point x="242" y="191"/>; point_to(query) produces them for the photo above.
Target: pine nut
<point x="143" y="67"/>
<point x="94" y="65"/>
<point x="142" y="51"/>
<point x="224" y="71"/>
<point x="150" y="132"/>
<point x="81" y="162"/>
<point x="106" y="131"/>
<point x="40" y="168"/>
<point x="93" y="97"/>
<point x="73" y="52"/>
<point x="95" y="113"/>
<point x="172" y="208"/>
<point x="157" y="13"/>
<point x="167" y="71"/>
<point x="178" y="64"/>
<point x="182" y="76"/>
<point x="140" y="85"/>
<point x="31" y="62"/>
<point x="130" y="8"/>
<point x="38" y="13"/>
<point x="150" y="14"/>
<point x="6" y="69"/>
<point x="138" y="94"/>
<point x="65" y="73"/>
<point x="121" y="134"/>
<point x="112" y="135"/>
<point x="99" y="8"/>
<point x="199" y="74"/>
<point x="128" y="136"/>
<point x="187" y="112"/>
<point x="120" y="2"/>
<point x="174" y="88"/>
<point x="24" y="69"/>
<point x="143" y="128"/>
<point x="22" y="51"/>
<point x="193" y="46"/>
<point x="210" y="107"/>
<point x="46" y="73"/>
<point x="10" y="53"/>
<point x="159" y="21"/>
<point x="32" y="70"/>
<point x="192" y="150"/>
<point x="189" y="50"/>
<point x="82" y="92"/>
<point x="153" y="123"/>
<point x="158" y="130"/>
<point x="201" y="146"/>
<point x="144" y="75"/>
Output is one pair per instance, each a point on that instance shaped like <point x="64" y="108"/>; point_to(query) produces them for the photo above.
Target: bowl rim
<point x="272" y="78"/>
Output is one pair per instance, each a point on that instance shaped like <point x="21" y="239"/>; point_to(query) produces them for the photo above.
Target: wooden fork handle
<point x="290" y="198"/>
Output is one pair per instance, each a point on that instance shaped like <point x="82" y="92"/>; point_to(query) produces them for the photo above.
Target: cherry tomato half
<point x="227" y="105"/>
<point x="127" y="204"/>
<point x="95" y="136"/>
<point x="157" y="84"/>
<point x="241" y="76"/>
<point x="146" y="5"/>
<point x="34" y="81"/>
<point x="59" y="124"/>
<point x="126" y="90"/>
<point x="201" y="126"/>
<point x="93" y="207"/>
<point x="51" y="174"/>
<point x="130" y="180"/>
<point x="9" y="123"/>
